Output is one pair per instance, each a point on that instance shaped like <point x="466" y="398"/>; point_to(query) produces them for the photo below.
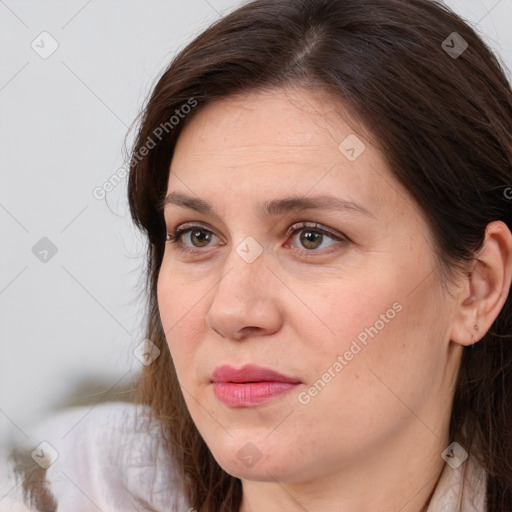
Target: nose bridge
<point x="241" y="298"/>
<point x="244" y="268"/>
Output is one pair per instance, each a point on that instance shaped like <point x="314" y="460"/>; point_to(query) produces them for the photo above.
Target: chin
<point x="249" y="463"/>
<point x="261" y="471"/>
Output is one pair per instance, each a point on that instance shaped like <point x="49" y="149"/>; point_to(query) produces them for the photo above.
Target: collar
<point x="460" y="490"/>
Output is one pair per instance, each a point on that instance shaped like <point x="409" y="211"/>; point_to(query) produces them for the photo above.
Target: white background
<point x="68" y="327"/>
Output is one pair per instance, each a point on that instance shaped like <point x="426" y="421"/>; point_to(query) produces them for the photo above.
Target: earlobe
<point x="486" y="288"/>
<point x="466" y="329"/>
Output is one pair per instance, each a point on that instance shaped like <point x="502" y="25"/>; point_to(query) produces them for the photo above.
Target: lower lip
<point x="249" y="394"/>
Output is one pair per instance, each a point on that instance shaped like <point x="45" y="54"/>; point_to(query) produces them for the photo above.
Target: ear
<point x="486" y="287"/>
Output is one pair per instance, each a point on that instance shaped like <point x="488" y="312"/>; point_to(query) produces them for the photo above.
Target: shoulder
<point x="110" y="456"/>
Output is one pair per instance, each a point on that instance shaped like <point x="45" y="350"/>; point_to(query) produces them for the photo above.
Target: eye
<point x="312" y="237"/>
<point x="198" y="234"/>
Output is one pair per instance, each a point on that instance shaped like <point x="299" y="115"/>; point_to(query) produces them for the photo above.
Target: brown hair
<point x="444" y="123"/>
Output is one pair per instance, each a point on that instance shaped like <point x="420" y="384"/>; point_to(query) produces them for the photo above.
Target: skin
<point x="372" y="438"/>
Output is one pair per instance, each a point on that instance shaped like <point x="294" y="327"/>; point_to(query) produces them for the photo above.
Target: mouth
<point x="250" y="385"/>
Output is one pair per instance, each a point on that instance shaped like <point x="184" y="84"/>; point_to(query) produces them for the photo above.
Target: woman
<point x="325" y="187"/>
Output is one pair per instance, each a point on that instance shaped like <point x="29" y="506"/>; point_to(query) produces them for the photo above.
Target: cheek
<point x="175" y="300"/>
<point x="166" y="306"/>
<point x="347" y="311"/>
<point x="182" y="317"/>
<point x="171" y="310"/>
<point x="374" y="337"/>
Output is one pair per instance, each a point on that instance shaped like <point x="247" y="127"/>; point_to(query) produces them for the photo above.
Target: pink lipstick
<point x="250" y="385"/>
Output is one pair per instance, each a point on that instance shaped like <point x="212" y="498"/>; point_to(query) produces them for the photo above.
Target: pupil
<point x="198" y="235"/>
<point x="310" y="237"/>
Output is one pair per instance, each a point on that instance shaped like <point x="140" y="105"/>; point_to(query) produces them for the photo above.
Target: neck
<point x="402" y="475"/>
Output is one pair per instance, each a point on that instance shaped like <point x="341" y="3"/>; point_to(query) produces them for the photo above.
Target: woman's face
<point x="341" y="298"/>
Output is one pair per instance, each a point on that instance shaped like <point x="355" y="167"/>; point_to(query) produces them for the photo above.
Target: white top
<point x="108" y="461"/>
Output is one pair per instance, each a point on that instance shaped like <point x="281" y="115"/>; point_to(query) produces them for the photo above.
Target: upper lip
<point x="249" y="373"/>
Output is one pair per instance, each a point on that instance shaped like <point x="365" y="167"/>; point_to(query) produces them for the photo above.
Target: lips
<point x="249" y="386"/>
<point x="249" y="373"/>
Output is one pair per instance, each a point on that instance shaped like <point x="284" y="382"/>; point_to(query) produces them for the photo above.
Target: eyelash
<point x="175" y="237"/>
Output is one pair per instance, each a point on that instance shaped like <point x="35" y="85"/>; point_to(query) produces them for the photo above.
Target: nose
<point x="245" y="302"/>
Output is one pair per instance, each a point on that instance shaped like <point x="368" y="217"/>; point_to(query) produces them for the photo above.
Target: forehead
<point x="283" y="121"/>
<point x="242" y="154"/>
<point x="286" y="137"/>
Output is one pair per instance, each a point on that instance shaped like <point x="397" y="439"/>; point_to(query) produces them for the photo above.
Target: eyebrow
<point x="273" y="207"/>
